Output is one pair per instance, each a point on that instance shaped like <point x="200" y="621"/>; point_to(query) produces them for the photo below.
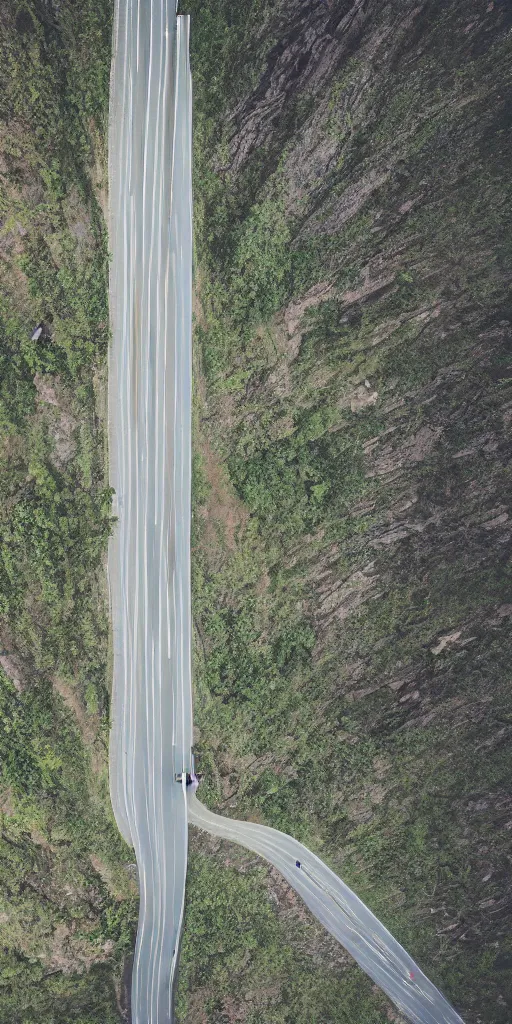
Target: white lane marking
<point x="268" y="843"/>
<point x="182" y="909"/>
<point x="138" y="33"/>
<point x="167" y="589"/>
<point x="134" y="682"/>
<point x="118" y="226"/>
<point x="179" y="398"/>
<point x="134" y="449"/>
<point x="283" y="862"/>
<point x="146" y="333"/>
<point x="173" y="499"/>
<point x="142" y="539"/>
<point x="117" y="741"/>
<point x="128" y="301"/>
<point x="158" y="174"/>
<point x="162" y="559"/>
<point x="177" y="935"/>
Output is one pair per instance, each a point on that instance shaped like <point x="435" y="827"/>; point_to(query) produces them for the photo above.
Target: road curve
<point x="341" y="912"/>
<point x="150" y="226"/>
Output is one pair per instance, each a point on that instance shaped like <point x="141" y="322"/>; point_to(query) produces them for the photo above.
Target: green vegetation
<point x="351" y="572"/>
<point x="53" y="472"/>
<point x="234" y="944"/>
<point x="68" y="906"/>
<point x="351" y="542"/>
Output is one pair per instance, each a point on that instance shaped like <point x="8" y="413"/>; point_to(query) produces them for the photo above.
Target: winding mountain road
<point x="150" y="226"/>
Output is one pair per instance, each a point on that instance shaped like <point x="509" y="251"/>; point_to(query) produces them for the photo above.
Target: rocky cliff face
<point x="352" y="548"/>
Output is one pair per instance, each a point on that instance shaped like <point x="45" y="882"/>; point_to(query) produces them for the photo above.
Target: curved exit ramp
<point x="341" y="912"/>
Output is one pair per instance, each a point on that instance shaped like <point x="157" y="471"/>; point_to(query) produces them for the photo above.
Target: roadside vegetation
<point x="351" y="572"/>
<point x="67" y="903"/>
<point x="351" y="539"/>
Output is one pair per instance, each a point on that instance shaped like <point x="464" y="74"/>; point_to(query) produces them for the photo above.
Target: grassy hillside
<point x="351" y="561"/>
<point x="67" y="903"/>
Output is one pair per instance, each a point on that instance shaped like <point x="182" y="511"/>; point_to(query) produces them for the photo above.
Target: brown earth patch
<point x="196" y="1003"/>
<point x="295" y="311"/>
<point x="347" y="207"/>
<point x="368" y="288"/>
<point x="6" y="803"/>
<point x="47" y="389"/>
<point x="413" y="450"/>
<point x="88" y="724"/>
<point x="119" y="885"/>
<point x="14" y="669"/>
<point x="78" y="220"/>
<point x="55" y="406"/>
<point x="71" y="952"/>
<point x="337" y="599"/>
<point x="223" y="513"/>
<point x="99" y="169"/>
<point x="362" y="398"/>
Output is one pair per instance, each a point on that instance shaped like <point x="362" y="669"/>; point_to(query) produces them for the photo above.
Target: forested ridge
<point x="68" y="903"/>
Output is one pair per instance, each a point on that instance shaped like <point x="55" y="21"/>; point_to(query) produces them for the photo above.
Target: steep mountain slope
<point x="352" y="537"/>
<point x="67" y="903"/>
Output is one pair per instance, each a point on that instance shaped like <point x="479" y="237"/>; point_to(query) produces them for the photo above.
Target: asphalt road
<point x="150" y="226"/>
<point x="149" y="447"/>
<point x="341" y="912"/>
